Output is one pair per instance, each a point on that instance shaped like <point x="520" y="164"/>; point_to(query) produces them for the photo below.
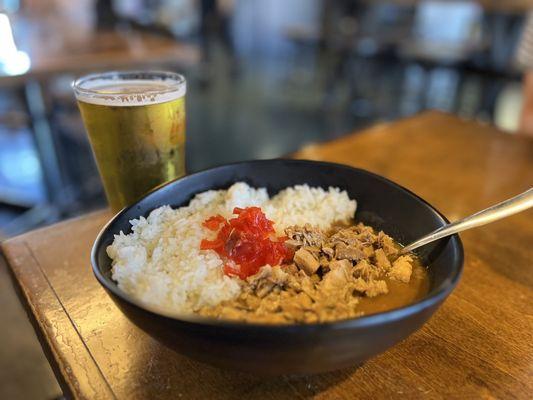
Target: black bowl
<point x="294" y="349"/>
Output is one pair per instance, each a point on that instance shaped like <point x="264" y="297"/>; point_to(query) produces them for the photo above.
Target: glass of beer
<point x="136" y="125"/>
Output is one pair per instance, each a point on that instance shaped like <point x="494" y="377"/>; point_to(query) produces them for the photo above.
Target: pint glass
<point x="136" y="126"/>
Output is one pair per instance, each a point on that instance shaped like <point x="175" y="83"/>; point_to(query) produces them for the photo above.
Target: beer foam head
<point x="129" y="89"/>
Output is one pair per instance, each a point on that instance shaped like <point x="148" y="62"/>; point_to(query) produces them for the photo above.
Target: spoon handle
<point x="501" y="210"/>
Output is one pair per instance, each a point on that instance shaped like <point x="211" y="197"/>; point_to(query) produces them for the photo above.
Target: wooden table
<point x="53" y="48"/>
<point x="478" y="345"/>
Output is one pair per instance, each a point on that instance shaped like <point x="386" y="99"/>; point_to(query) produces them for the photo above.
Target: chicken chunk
<point x="401" y="269"/>
<point x="371" y="288"/>
<point x="346" y="264"/>
<point x="336" y="279"/>
<point x="279" y="276"/>
<point x="306" y="235"/>
<point x="363" y="269"/>
<point x="328" y="251"/>
<point x="345" y="252"/>
<point x="267" y="279"/>
<point x="386" y="242"/>
<point x="381" y="260"/>
<point x="306" y="261"/>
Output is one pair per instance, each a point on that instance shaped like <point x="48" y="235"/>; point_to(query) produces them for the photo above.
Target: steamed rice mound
<point x="161" y="264"/>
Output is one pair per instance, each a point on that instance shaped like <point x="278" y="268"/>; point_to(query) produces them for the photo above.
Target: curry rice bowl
<point x="160" y="263"/>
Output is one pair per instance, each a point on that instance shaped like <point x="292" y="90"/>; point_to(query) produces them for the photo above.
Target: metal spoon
<point x="501" y="210"/>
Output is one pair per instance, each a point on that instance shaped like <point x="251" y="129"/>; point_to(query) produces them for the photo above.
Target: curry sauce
<point x="347" y="272"/>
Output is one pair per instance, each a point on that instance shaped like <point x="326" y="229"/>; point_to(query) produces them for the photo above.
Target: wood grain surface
<point x="478" y="345"/>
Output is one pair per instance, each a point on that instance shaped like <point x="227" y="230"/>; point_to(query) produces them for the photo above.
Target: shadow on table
<point x="185" y="378"/>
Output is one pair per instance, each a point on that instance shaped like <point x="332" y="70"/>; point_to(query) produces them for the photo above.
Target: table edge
<point x="376" y="127"/>
<point x="68" y="386"/>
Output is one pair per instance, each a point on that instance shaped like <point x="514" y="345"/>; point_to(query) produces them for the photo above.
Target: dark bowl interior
<point x="296" y="348"/>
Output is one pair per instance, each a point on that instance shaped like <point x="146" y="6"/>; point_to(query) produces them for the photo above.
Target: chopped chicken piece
<point x="279" y="276"/>
<point x="306" y="261"/>
<point x="263" y="288"/>
<point x="363" y="269"/>
<point x="307" y="285"/>
<point x="346" y="264"/>
<point x="315" y="251"/>
<point x="274" y="275"/>
<point x="367" y="237"/>
<point x="264" y="272"/>
<point x="368" y="251"/>
<point x="291" y="269"/>
<point x="386" y="242"/>
<point x="267" y="279"/>
<point x="366" y="229"/>
<point x="376" y="288"/>
<point x="293" y="244"/>
<point x="335" y="279"/>
<point x="346" y="236"/>
<point x="328" y="251"/>
<point x="305" y="236"/>
<point x="342" y="251"/>
<point x="381" y="260"/>
<point x="401" y="269"/>
<point x="324" y="263"/>
<point x="371" y="288"/>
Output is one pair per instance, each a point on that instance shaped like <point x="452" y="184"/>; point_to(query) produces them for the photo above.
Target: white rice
<point x="160" y="263"/>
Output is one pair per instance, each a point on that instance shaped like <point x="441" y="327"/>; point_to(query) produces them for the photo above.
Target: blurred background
<point x="265" y="77"/>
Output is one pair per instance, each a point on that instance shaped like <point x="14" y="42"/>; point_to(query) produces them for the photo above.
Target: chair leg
<point x="44" y="141"/>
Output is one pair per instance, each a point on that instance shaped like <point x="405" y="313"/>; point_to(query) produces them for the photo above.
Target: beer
<point x="137" y="132"/>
